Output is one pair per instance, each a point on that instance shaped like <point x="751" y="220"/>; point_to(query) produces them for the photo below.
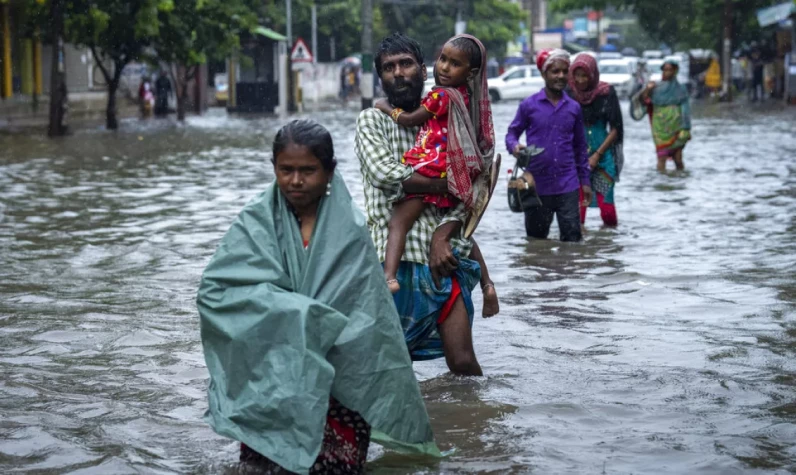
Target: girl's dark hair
<point x="471" y="48"/>
<point x="397" y="43"/>
<point x="310" y="134"/>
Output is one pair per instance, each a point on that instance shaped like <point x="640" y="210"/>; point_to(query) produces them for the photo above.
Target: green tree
<point x="117" y="32"/>
<point x="338" y="23"/>
<point x="697" y="25"/>
<point x="193" y="31"/>
<point x="494" y="22"/>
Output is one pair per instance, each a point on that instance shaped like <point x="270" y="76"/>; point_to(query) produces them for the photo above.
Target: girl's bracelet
<point x="395" y="113"/>
<point x="486" y="286"/>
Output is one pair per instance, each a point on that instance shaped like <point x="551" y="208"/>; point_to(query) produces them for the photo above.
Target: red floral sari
<point x="346" y="438"/>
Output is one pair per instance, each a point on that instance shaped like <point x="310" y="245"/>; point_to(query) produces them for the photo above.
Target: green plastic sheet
<point x="284" y="327"/>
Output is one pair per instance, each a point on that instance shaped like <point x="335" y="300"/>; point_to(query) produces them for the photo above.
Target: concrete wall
<point x="321" y="81"/>
<point x="77" y="62"/>
<point x="81" y="73"/>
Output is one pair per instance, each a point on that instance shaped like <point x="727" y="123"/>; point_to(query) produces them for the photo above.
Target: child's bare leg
<point x="404" y="215"/>
<point x="491" y="304"/>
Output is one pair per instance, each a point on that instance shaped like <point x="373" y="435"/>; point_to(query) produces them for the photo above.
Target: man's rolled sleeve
<point x="378" y="166"/>
<point x="459" y="213"/>
<point x="518" y="126"/>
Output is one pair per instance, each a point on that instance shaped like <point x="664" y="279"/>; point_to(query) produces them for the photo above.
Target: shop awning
<point x="777" y="13"/>
<point x="269" y="33"/>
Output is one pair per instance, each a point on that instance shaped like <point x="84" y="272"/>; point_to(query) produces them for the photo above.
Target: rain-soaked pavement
<point x="664" y="346"/>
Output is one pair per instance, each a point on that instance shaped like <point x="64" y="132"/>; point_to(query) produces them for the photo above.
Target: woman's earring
<point x="329" y="189"/>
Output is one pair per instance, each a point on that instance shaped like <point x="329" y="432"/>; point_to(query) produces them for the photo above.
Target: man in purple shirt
<point x="553" y="121"/>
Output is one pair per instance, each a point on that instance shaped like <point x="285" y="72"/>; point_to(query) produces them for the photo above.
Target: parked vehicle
<point x="429" y="80"/>
<point x="654" y="69"/>
<point x="619" y="74"/>
<point x="518" y="82"/>
<point x="221" y="88"/>
<point x="609" y="55"/>
<point x="652" y="54"/>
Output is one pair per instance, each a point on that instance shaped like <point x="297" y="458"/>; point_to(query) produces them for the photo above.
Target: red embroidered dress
<point x="429" y="155"/>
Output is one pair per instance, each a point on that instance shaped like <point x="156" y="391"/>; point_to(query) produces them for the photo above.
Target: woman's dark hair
<point x="471" y="48"/>
<point x="310" y="134"/>
<point x="397" y="43"/>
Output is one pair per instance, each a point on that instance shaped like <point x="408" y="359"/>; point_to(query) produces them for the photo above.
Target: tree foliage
<point x="494" y="22"/>
<point x="693" y="24"/>
<point x="192" y="31"/>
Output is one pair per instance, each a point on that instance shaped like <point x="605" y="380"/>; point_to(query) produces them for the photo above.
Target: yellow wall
<point x="5" y="51"/>
<point x="37" y="75"/>
<point x="26" y="67"/>
<point x="29" y="66"/>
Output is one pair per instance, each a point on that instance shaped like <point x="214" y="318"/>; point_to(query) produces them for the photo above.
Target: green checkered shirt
<point x="380" y="145"/>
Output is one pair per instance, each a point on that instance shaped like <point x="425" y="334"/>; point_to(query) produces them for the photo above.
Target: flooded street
<point x="665" y="346"/>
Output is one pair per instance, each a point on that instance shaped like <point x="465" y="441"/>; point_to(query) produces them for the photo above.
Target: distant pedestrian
<point x="758" y="66"/>
<point x="162" y="92"/>
<point x="146" y="99"/>
<point x="670" y="115"/>
<point x="602" y="116"/>
<point x="553" y="121"/>
<point x="344" y="83"/>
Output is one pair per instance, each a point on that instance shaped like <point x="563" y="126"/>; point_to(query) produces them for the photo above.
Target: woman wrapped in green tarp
<point x="304" y="346"/>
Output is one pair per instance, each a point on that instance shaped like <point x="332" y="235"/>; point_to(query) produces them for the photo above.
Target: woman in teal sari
<point x="670" y="115"/>
<point x="304" y="346"/>
<point x="602" y="117"/>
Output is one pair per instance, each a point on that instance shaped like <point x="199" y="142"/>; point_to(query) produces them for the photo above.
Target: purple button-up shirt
<point x="564" y="165"/>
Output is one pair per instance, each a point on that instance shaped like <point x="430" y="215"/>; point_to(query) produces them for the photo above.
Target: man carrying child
<point x="436" y="312"/>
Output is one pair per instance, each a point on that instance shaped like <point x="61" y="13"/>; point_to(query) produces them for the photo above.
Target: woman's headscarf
<point x="671" y="92"/>
<point x="595" y="87"/>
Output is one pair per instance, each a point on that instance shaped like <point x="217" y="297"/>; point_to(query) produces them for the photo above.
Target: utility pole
<point x="598" y="30"/>
<point x="530" y="32"/>
<point x="366" y="83"/>
<point x="460" y="26"/>
<point x="314" y="33"/>
<point x="57" y="127"/>
<point x="727" y="52"/>
<point x="291" y="96"/>
<point x="316" y="92"/>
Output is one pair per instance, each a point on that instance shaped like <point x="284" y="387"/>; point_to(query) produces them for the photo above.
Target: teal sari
<point x="605" y="175"/>
<point x="600" y="117"/>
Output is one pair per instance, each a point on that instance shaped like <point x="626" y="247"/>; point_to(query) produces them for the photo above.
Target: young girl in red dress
<point x="445" y="148"/>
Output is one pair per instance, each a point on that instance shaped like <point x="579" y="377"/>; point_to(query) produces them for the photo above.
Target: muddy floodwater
<point x="664" y="346"/>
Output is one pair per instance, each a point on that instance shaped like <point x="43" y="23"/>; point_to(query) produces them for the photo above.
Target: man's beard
<point x="409" y="98"/>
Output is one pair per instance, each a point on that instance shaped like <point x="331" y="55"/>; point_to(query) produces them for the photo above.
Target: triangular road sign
<point x="300" y="52"/>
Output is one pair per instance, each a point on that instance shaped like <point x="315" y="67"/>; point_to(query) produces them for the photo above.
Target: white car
<point x="429" y="84"/>
<point x="518" y="82"/>
<point x="654" y="69"/>
<point x="618" y="73"/>
<point x="652" y="54"/>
